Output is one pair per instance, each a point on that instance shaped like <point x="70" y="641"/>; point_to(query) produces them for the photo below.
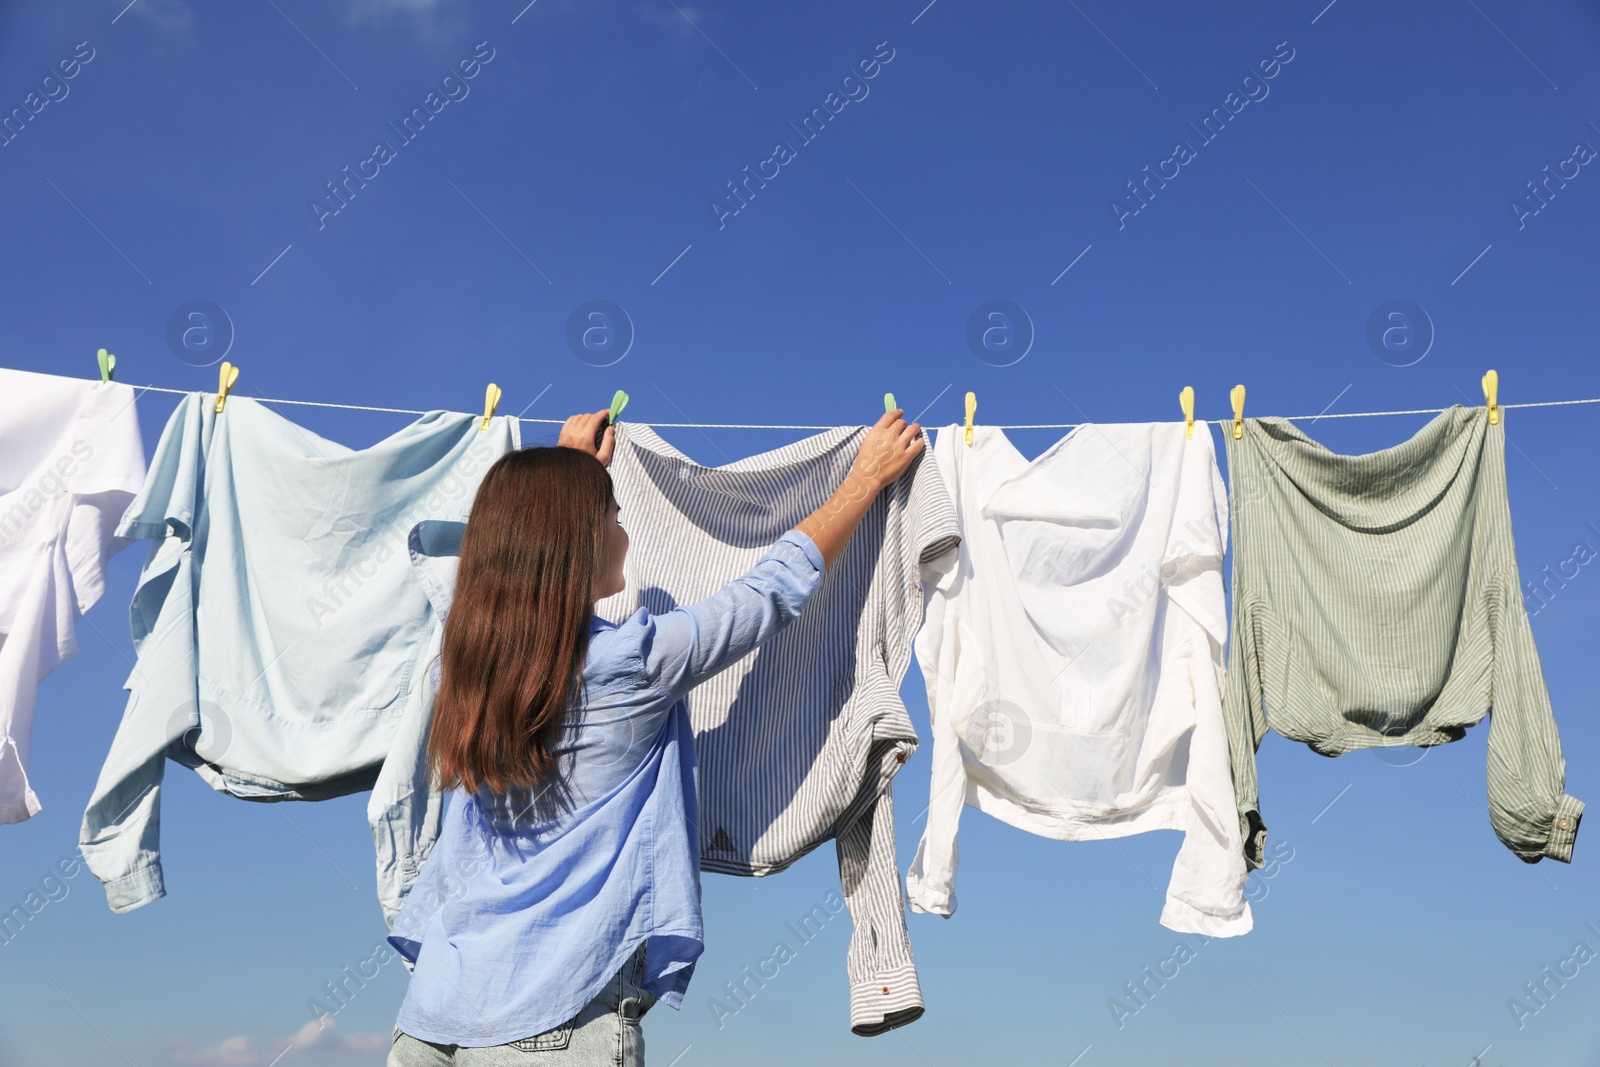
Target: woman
<point x="562" y="899"/>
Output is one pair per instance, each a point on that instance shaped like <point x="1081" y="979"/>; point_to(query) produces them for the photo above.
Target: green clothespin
<point x="619" y="400"/>
<point x="888" y="402"/>
<point x="108" y="365"/>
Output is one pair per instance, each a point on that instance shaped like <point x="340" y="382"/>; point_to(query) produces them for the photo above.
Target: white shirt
<point x="1073" y="655"/>
<point x="71" y="459"/>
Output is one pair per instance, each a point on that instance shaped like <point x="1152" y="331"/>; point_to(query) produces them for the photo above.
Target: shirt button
<point x="899" y="757"/>
<point x="886" y="989"/>
<point x="1565" y="824"/>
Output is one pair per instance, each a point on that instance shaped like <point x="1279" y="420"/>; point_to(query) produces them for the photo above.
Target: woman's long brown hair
<point x="518" y="628"/>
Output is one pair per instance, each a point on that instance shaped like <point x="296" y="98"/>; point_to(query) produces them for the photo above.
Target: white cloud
<point x="169" y="16"/>
<point x="660" y="13"/>
<point x="241" y="1051"/>
<point x="431" y="22"/>
<point x="380" y="10"/>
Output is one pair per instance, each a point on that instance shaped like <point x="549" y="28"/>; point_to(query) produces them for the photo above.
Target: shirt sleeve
<point x="403" y="810"/>
<point x="121" y="830"/>
<point x="120" y="834"/>
<point x="930" y="881"/>
<point x="683" y="647"/>
<point x="1242" y="690"/>
<point x="1528" y="804"/>
<point x="884" y="989"/>
<point x="1206" y="893"/>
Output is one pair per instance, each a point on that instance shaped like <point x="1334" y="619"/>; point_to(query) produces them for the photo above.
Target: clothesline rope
<point x="775" y="426"/>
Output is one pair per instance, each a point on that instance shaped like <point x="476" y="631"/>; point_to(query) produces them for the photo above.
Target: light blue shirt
<point x="531" y="900"/>
<point x="281" y="628"/>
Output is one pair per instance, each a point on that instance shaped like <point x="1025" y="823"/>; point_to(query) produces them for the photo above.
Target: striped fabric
<point x="798" y="742"/>
<point x="1376" y="602"/>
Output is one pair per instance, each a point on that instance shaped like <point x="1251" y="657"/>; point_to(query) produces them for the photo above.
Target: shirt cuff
<point x="892" y="998"/>
<point x="1564" y="828"/>
<point x="803" y="541"/>
<point x="926" y="900"/>
<point x="135" y="890"/>
<point x="1188" y="919"/>
<point x="22" y="810"/>
<point x="1254" y="832"/>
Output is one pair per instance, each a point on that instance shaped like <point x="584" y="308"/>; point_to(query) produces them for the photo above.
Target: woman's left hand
<point x="579" y="432"/>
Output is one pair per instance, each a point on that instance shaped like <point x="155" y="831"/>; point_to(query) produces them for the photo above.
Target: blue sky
<point x="983" y="160"/>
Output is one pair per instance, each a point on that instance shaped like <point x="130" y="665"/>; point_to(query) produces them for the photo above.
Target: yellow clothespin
<point x="225" y="379"/>
<point x="1186" y="402"/>
<point x="108" y="365"/>
<point x="491" y="400"/>
<point x="1237" y="396"/>
<point x="1491" y="393"/>
<point x="972" y="406"/>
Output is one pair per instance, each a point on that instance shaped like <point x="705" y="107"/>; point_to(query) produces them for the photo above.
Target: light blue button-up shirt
<point x="531" y="900"/>
<point x="281" y="630"/>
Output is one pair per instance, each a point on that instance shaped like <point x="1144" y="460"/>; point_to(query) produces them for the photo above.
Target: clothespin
<point x="1237" y="396"/>
<point x="888" y="402"/>
<point x="108" y="365"/>
<point x="1186" y="402"/>
<point x="491" y="400"/>
<point x="972" y="406"/>
<point x="225" y="379"/>
<point x="619" y="400"/>
<point x="1491" y="393"/>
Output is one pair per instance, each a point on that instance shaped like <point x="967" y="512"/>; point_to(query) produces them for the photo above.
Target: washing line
<point x="779" y="426"/>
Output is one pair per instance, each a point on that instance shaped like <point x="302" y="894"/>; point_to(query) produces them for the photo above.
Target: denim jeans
<point x="606" y="1033"/>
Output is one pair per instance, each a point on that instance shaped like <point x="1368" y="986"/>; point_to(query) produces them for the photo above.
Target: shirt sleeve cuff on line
<point x="136" y="889"/>
<point x="1188" y="919"/>
<point x="1254" y="832"/>
<point x="892" y="998"/>
<point x="1564" y="828"/>
<point x="926" y="900"/>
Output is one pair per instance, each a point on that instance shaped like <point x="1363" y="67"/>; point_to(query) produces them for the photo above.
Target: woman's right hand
<point x="583" y="433"/>
<point x="890" y="446"/>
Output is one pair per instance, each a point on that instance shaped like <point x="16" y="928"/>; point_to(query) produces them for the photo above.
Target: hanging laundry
<point x="799" y="742"/>
<point x="70" y="460"/>
<point x="1376" y="603"/>
<point x="281" y="630"/>
<point x="1073" y="654"/>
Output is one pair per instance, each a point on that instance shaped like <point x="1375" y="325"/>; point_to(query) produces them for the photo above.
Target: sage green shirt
<point x="1376" y="603"/>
